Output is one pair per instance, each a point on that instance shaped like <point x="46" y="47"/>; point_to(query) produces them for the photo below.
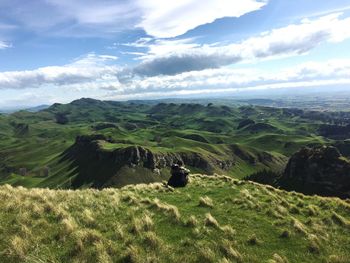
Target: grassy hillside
<point x="236" y="141"/>
<point x="213" y="219"/>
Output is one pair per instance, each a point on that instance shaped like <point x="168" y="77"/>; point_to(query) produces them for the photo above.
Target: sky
<point x="60" y="50"/>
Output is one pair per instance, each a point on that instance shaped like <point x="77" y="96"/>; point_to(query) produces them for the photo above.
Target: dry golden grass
<point x="192" y="221"/>
<point x="210" y="221"/>
<point x="152" y="240"/>
<point x="155" y="224"/>
<point x="299" y="227"/>
<point x="338" y="219"/>
<point x="206" y="255"/>
<point x="206" y="202"/>
<point x="18" y="247"/>
<point x="337" y="259"/>
<point x="229" y="231"/>
<point x="278" y="259"/>
<point x="171" y="210"/>
<point x="230" y="252"/>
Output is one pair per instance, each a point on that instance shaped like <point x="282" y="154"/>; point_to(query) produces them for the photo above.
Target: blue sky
<point x="61" y="50"/>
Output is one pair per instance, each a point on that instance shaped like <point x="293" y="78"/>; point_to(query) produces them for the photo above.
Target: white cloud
<point x="311" y="74"/>
<point x="158" y="18"/>
<point x="90" y="68"/>
<point x="291" y="40"/>
<point x="4" y="45"/>
<point x="96" y="74"/>
<point x="165" y="19"/>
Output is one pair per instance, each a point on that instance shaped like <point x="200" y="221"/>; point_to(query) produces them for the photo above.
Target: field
<point x="214" y="219"/>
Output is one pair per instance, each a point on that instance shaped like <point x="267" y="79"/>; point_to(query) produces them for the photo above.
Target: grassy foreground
<point x="214" y="219"/>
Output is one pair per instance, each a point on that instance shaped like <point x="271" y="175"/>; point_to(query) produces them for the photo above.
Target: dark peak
<point x="319" y="170"/>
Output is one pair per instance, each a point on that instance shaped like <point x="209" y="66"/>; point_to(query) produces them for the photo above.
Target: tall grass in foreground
<point x="214" y="219"/>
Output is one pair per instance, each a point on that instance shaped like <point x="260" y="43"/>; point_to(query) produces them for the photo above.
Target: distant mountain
<point x="37" y="108"/>
<point x="30" y="109"/>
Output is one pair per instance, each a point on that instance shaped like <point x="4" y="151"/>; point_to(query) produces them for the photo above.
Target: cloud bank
<point x="91" y="68"/>
<point x="184" y="67"/>
<point x="295" y="39"/>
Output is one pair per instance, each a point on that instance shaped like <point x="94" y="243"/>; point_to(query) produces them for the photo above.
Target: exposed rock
<point x="95" y="166"/>
<point x="323" y="171"/>
<point x="92" y="164"/>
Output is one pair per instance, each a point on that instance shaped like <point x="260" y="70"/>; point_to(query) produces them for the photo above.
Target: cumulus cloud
<point x="294" y="39"/>
<point x="90" y="68"/>
<point x="165" y="19"/>
<point x="157" y="17"/>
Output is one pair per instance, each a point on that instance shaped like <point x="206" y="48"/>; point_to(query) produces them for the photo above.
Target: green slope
<point x="37" y="141"/>
<point x="213" y="219"/>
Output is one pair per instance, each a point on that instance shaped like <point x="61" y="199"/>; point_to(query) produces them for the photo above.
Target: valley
<point x="91" y="143"/>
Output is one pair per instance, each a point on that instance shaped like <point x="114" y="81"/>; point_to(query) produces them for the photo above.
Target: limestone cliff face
<point x="93" y="165"/>
<point x="136" y="155"/>
<point x="322" y="171"/>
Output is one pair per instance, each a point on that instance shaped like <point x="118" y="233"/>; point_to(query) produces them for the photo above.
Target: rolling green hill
<point x="41" y="149"/>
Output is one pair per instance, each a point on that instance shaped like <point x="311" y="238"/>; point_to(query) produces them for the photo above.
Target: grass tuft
<point x="206" y="202"/>
<point x="338" y="219"/>
<point x="152" y="240"/>
<point x="278" y="259"/>
<point x="230" y="252"/>
<point x="299" y="227"/>
<point x="228" y="231"/>
<point x="192" y="221"/>
<point x="211" y="221"/>
<point x="18" y="248"/>
<point x="133" y="255"/>
<point x="337" y="259"/>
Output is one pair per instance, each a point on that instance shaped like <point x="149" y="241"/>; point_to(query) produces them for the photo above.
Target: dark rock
<point x="321" y="170"/>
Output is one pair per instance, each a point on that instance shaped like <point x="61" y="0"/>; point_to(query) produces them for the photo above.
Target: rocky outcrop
<point x="140" y="156"/>
<point x="93" y="165"/>
<point x="323" y="171"/>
